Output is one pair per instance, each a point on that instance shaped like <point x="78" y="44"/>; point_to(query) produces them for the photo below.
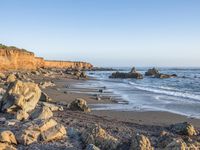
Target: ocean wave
<point x="167" y="91"/>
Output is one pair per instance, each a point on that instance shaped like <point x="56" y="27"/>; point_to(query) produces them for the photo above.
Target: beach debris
<point x="140" y="142"/>
<point x="98" y="136"/>
<point x="7" y="137"/>
<point x="79" y="105"/>
<point x="11" y="78"/>
<point x="92" y="147"/>
<point x="42" y="113"/>
<point x="132" y="74"/>
<point x="20" y="96"/>
<point x="183" y="129"/>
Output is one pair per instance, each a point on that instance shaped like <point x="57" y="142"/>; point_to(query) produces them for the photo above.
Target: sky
<point x="106" y="33"/>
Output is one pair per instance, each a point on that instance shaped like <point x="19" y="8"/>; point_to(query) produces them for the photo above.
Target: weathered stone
<point x="29" y="135"/>
<point x="152" y="72"/>
<point x="2" y="91"/>
<point x="6" y="146"/>
<point x="98" y="136"/>
<point x="42" y="113"/>
<point x="45" y="98"/>
<point x="55" y="133"/>
<point x="11" y="78"/>
<point x="79" y="105"/>
<point x="8" y="137"/>
<point x="2" y="76"/>
<point x="132" y="74"/>
<point x="11" y="122"/>
<point x="92" y="147"/>
<point x="46" y="84"/>
<point x="20" y="96"/>
<point x="45" y="125"/>
<point x="183" y="129"/>
<point x="22" y="115"/>
<point x="140" y="142"/>
<point x="164" y="76"/>
<point x="52" y="107"/>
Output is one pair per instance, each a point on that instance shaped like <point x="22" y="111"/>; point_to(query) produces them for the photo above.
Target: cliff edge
<point x="12" y="58"/>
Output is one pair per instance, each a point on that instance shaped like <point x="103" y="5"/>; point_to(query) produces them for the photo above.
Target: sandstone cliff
<point x="12" y="58"/>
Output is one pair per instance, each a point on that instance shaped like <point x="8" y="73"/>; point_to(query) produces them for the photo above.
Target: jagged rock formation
<point x="12" y="58"/>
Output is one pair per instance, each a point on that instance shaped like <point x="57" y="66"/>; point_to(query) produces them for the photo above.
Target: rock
<point x="152" y="72"/>
<point x="45" y="84"/>
<point x="164" y="76"/>
<point x="6" y="146"/>
<point x="42" y="113"/>
<point x="177" y="144"/>
<point x="132" y="74"/>
<point x="2" y="91"/>
<point x="11" y="122"/>
<point x="45" y="125"/>
<point x="98" y="136"/>
<point x="20" y="96"/>
<point x="45" y="98"/>
<point x="53" y="107"/>
<point x="28" y="135"/>
<point x="2" y="76"/>
<point x="155" y="73"/>
<point x="7" y="137"/>
<point x="140" y="142"/>
<point x="11" y="78"/>
<point x="55" y="133"/>
<point x="183" y="129"/>
<point x="92" y="147"/>
<point x="164" y="139"/>
<point x="79" y="105"/>
<point x="22" y="115"/>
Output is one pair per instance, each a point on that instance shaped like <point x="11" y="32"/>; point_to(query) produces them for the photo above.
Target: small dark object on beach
<point x="100" y="90"/>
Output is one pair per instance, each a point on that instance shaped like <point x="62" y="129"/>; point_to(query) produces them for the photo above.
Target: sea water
<point x="179" y="95"/>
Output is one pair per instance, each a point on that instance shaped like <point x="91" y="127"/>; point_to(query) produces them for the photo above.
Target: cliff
<point x="12" y="58"/>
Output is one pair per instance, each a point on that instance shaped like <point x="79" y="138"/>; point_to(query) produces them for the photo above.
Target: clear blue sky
<point x="106" y="32"/>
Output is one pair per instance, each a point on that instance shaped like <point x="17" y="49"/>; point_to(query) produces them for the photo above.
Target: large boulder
<point x="54" y="133"/>
<point x="140" y="142"/>
<point x="152" y="72"/>
<point x="155" y="73"/>
<point x="20" y="96"/>
<point x="36" y="130"/>
<point x="132" y="74"/>
<point x="98" y="136"/>
<point x="79" y="105"/>
<point x="183" y="129"/>
<point x="42" y="113"/>
<point x="8" y="137"/>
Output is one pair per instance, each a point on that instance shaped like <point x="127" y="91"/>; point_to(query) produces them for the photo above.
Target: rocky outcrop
<point x="155" y="73"/>
<point x="12" y="58"/>
<point x="20" y="96"/>
<point x="98" y="136"/>
<point x="132" y="74"/>
<point x="140" y="142"/>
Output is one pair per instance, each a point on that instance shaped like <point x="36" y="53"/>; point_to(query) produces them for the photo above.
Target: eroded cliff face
<point x="14" y="59"/>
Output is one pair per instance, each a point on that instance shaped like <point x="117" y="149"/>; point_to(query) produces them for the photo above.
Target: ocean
<point x="179" y="95"/>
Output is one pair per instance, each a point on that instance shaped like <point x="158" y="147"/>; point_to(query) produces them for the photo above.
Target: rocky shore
<point x="39" y="112"/>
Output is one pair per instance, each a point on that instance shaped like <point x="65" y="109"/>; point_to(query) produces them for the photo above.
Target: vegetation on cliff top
<point x="12" y="48"/>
